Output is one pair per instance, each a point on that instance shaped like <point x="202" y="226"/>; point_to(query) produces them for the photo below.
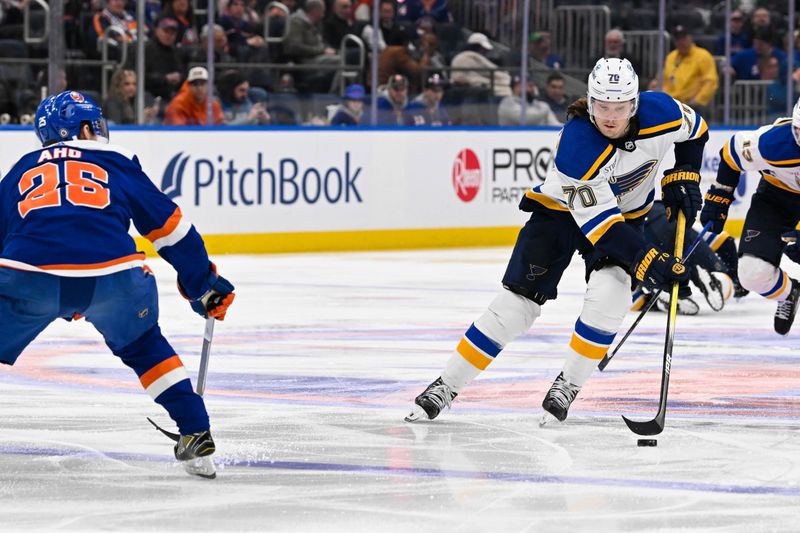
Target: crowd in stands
<point x="294" y="62"/>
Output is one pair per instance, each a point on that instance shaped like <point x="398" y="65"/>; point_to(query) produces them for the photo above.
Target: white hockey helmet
<point x="613" y="80"/>
<point x="796" y="121"/>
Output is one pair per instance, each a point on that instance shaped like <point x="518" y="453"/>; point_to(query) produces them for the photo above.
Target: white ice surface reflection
<point x="318" y="362"/>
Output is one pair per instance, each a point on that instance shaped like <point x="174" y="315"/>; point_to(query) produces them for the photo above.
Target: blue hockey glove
<point x="216" y="300"/>
<point x="680" y="190"/>
<point x="657" y="269"/>
<point x="715" y="208"/>
<point x="791" y="251"/>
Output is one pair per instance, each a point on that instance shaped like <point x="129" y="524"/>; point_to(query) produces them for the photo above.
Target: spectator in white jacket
<point x="537" y="112"/>
<point x="486" y="74"/>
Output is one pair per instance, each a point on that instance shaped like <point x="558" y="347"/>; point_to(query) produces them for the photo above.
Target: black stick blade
<point x="604" y="363"/>
<point x="650" y="427"/>
<point x="173" y="436"/>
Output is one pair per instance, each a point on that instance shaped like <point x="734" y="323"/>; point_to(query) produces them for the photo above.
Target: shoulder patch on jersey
<point x="778" y="147"/>
<point x="582" y="150"/>
<point x="658" y="114"/>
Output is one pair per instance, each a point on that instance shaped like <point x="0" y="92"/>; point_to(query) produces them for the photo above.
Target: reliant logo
<point x="467" y="175"/>
<point x="287" y="181"/>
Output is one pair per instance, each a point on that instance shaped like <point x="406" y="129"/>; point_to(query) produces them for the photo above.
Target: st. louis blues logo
<point x="172" y="180"/>
<point x="622" y="185"/>
<point x="536" y="270"/>
<point x="751" y="234"/>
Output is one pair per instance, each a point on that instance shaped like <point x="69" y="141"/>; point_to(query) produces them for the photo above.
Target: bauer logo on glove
<point x="678" y="269"/>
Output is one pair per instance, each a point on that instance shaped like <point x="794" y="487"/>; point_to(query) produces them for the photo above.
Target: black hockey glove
<point x="680" y="190"/>
<point x="791" y="251"/>
<point x="656" y="269"/>
<point x="715" y="208"/>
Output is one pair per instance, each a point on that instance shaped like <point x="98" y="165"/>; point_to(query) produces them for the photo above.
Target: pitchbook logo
<point x="258" y="180"/>
<point x="467" y="175"/>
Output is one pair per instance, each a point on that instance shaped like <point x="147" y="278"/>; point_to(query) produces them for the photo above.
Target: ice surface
<point x="318" y="362"/>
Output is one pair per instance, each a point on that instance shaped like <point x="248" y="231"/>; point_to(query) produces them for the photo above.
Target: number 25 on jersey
<point x="85" y="186"/>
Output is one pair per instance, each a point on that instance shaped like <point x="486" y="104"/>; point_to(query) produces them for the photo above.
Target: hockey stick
<point x="604" y="363"/>
<point x="205" y="353"/>
<point x="656" y="425"/>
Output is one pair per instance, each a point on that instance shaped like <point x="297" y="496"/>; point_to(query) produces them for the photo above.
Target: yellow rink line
<point x="387" y="239"/>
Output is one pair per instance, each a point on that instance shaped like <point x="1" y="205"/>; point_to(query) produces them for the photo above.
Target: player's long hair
<point x="578" y="108"/>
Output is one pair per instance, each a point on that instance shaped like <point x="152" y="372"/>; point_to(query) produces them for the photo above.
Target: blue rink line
<point x="511" y="477"/>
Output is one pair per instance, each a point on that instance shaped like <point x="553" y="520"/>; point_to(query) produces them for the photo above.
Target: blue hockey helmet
<point x="59" y="118"/>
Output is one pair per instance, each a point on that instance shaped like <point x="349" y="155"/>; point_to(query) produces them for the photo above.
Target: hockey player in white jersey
<point x="593" y="201"/>
<point x="774" y="151"/>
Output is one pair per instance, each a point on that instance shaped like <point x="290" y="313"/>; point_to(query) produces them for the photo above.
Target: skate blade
<point x="417" y="413"/>
<point x="547" y="419"/>
<point x="200" y="466"/>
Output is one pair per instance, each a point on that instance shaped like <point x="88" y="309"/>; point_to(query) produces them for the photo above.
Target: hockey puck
<point x="647" y="442"/>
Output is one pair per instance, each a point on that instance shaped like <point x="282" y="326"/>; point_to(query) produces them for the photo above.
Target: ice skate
<point x="556" y="404"/>
<point x="430" y="403"/>
<point x="194" y="451"/>
<point x="686" y="306"/>
<point x="784" y="314"/>
<point x="710" y="286"/>
<point x="738" y="290"/>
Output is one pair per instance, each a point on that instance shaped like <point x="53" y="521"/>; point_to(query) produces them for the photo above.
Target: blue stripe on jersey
<point x="697" y="122"/>
<point x="657" y="108"/>
<point x="482" y="342"/>
<point x="594" y="335"/>
<point x="732" y="152"/>
<point x="778" y="147"/>
<point x="582" y="150"/>
<point x="599" y="219"/>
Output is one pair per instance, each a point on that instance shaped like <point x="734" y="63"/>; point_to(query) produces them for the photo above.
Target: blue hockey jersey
<point x="66" y="210"/>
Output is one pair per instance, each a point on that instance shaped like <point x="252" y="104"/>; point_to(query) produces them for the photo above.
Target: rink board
<point x="294" y="190"/>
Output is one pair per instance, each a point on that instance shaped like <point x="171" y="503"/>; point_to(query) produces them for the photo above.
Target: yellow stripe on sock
<point x="472" y="355"/>
<point x="590" y="351"/>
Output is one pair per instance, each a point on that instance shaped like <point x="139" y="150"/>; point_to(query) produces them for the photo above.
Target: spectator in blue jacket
<point x="351" y="110"/>
<point x="740" y="39"/>
<point x="393" y="101"/>
<point x="425" y="109"/>
<point x="414" y="10"/>
<point x="749" y="62"/>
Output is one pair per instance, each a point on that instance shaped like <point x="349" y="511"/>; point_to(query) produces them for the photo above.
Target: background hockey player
<point x="712" y="267"/>
<point x="593" y="200"/>
<point x="774" y="209"/>
<point x="64" y="217"/>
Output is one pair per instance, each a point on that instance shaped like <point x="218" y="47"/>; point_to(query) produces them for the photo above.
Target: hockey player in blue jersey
<point x="65" y="211"/>
<point x="773" y="150"/>
<point x="593" y="201"/>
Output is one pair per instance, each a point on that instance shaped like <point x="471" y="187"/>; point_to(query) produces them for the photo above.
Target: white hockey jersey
<point x="771" y="150"/>
<point x="603" y="181"/>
